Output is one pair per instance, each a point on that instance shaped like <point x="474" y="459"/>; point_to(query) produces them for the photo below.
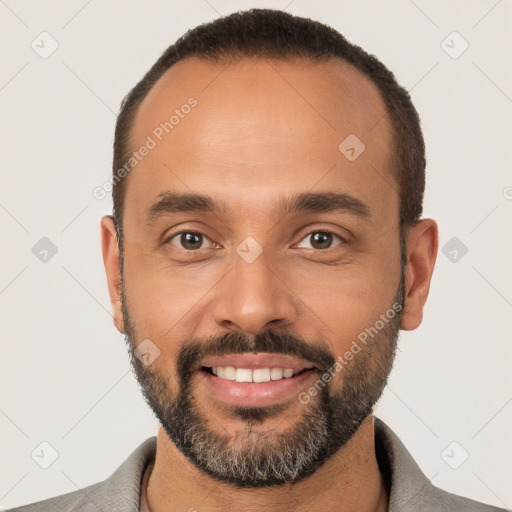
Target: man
<point x="265" y="249"/>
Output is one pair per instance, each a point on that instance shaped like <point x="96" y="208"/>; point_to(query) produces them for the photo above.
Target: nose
<point x="253" y="296"/>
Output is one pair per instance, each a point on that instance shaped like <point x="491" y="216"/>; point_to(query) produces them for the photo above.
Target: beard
<point x="253" y="456"/>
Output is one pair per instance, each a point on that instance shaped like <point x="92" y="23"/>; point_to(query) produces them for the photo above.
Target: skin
<point x="264" y="129"/>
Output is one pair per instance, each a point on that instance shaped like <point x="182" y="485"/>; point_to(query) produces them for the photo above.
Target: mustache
<point x="271" y="341"/>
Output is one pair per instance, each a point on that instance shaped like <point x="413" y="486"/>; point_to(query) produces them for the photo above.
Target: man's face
<point x="255" y="285"/>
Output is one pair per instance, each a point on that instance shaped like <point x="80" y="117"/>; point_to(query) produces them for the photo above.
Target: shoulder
<point x="409" y="488"/>
<point x="82" y="500"/>
<point x="435" y="499"/>
<point x="120" y="492"/>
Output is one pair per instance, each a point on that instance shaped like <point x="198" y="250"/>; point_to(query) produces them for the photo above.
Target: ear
<point x="112" y="268"/>
<point x="422" y="244"/>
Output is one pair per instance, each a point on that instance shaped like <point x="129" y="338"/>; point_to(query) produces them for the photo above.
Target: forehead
<point x="260" y="126"/>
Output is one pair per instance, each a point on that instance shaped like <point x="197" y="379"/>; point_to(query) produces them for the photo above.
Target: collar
<point x="406" y="482"/>
<point x="404" y="478"/>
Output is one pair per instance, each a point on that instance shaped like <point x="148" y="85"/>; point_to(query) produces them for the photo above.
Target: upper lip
<point x="260" y="360"/>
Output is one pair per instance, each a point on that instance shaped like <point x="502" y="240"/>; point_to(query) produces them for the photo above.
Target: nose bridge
<point x="252" y="295"/>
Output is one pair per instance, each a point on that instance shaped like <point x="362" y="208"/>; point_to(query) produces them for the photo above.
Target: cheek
<point x="156" y="293"/>
<point x="164" y="302"/>
<point x="343" y="301"/>
<point x="357" y="285"/>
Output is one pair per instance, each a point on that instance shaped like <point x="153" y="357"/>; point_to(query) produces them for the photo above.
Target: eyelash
<point x="323" y="231"/>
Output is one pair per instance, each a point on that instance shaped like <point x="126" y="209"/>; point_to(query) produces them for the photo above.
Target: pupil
<point x="322" y="240"/>
<point x="191" y="240"/>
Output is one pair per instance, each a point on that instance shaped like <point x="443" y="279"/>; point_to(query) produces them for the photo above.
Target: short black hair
<point x="274" y="34"/>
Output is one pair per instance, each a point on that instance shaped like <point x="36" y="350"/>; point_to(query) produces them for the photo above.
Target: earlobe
<point x="422" y="245"/>
<point x="111" y="261"/>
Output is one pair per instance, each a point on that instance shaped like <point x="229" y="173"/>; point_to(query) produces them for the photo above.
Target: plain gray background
<point x="64" y="372"/>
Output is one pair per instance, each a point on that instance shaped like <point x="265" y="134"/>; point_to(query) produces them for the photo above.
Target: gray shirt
<point x="410" y="489"/>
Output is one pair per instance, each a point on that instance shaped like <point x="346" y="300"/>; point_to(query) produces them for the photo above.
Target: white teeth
<point x="243" y="375"/>
<point x="261" y="375"/>
<point x="276" y="373"/>
<point x="230" y="372"/>
<point x="249" y="375"/>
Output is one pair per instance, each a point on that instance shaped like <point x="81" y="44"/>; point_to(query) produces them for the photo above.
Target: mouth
<point x="256" y="375"/>
<point x="255" y="380"/>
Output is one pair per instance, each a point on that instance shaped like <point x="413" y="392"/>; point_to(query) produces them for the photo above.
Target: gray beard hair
<point x="252" y="459"/>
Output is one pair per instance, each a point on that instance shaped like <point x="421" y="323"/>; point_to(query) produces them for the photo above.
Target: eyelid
<point x="326" y="231"/>
<point x="168" y="239"/>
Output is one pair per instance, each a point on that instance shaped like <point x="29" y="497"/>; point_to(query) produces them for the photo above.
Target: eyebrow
<point x="308" y="202"/>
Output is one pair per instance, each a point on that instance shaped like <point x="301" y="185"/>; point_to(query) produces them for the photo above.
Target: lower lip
<point x="256" y="394"/>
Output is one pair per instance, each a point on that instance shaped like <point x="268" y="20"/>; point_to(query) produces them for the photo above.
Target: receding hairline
<point x="224" y="61"/>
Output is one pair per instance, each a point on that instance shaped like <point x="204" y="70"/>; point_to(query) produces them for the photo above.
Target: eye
<point x="189" y="240"/>
<point x="320" y="240"/>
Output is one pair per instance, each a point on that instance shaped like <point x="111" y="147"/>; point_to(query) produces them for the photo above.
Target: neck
<point x="349" y="480"/>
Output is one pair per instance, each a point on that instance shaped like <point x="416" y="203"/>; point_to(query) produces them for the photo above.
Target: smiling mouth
<point x="254" y="375"/>
<point x="255" y="379"/>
